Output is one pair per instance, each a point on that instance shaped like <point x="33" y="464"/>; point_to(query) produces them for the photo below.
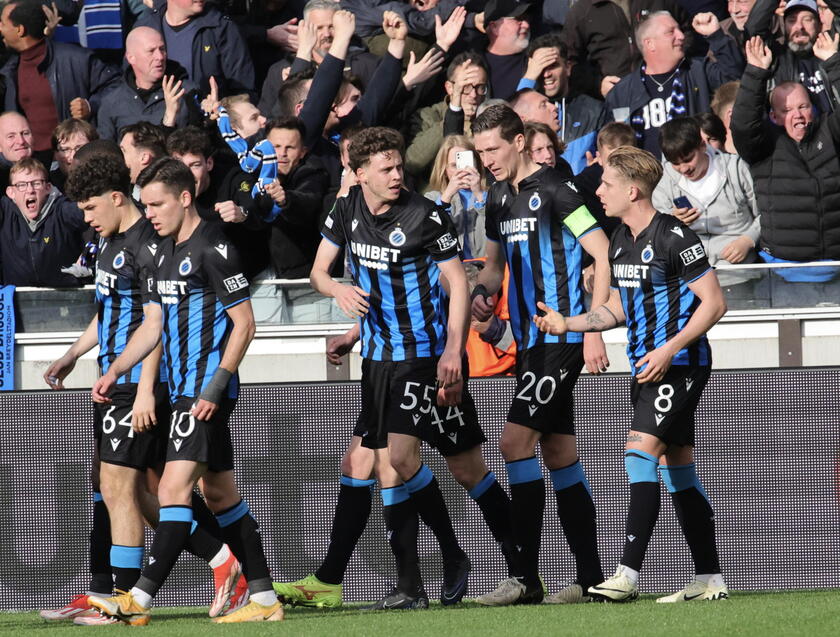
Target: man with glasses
<point x="67" y="138"/>
<point x="40" y="229"/>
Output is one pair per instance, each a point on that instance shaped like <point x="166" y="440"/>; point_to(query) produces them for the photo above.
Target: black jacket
<point x="72" y="72"/>
<point x="36" y="257"/>
<point x="797" y="186"/>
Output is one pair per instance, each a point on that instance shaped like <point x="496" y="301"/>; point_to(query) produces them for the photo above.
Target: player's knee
<point x="512" y="449"/>
<point x="467" y="468"/>
<point x="404" y="462"/>
<point x="678" y="478"/>
<point x="171" y="494"/>
<point x="640" y="466"/>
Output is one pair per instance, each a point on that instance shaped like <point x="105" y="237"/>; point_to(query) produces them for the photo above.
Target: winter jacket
<point x="71" y="71"/>
<point x="369" y="15"/>
<point x="35" y="257"/>
<point x="729" y="213"/>
<point x="218" y="50"/>
<point x="797" y="185"/>
<point x="426" y="139"/>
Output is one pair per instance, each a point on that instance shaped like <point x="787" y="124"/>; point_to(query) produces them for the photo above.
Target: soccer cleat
<point x="309" y="591"/>
<point x="79" y="604"/>
<point x="454" y="587"/>
<point x="618" y="588"/>
<point x="697" y="591"/>
<point x="239" y="597"/>
<point x="253" y="612"/>
<point x="93" y="617"/>
<point x="571" y="594"/>
<point x="397" y="600"/>
<point x="716" y="591"/>
<point x="512" y="591"/>
<point x="224" y="579"/>
<point x="124" y="607"/>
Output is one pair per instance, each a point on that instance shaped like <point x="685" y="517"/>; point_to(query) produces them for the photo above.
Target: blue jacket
<point x="218" y="50"/>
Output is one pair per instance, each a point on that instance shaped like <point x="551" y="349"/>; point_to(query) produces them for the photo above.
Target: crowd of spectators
<point x="738" y="99"/>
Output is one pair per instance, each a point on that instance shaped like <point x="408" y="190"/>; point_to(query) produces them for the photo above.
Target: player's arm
<point x="338" y="346"/>
<point x="60" y="369"/>
<point x="489" y="281"/>
<point x="350" y="298"/>
<point x="712" y="307"/>
<point x="140" y="345"/>
<point x="143" y="415"/>
<point x="449" y="365"/>
<point x="597" y="245"/>
<point x="604" y="317"/>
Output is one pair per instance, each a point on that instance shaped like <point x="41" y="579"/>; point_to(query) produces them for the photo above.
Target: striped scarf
<point x="99" y="26"/>
<point x="677" y="108"/>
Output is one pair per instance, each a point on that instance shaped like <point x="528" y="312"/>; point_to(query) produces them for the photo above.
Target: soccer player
<point x="401" y="249"/>
<point x="537" y="222"/>
<point x="665" y="291"/>
<point x="200" y="304"/>
<point x="129" y="442"/>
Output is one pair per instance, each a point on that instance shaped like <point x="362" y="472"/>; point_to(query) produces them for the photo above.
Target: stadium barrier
<point x="767" y="454"/>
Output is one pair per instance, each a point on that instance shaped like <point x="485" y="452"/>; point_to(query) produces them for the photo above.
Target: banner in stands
<point x="7" y="338"/>
<point x="768" y="455"/>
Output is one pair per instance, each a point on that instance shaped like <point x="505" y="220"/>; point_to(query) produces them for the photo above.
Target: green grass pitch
<point x="745" y="614"/>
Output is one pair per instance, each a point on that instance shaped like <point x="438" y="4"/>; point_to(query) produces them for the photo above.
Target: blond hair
<point x="439" y="181"/>
<point x="232" y="100"/>
<point x="636" y="166"/>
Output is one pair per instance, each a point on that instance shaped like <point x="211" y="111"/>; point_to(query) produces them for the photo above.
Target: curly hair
<point x="370" y="141"/>
<point x="96" y="176"/>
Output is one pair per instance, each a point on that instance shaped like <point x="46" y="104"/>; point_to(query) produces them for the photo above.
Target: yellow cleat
<point x="253" y="612"/>
<point x="122" y="606"/>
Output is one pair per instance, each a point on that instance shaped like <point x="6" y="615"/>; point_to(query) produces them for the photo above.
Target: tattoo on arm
<point x="634" y="437"/>
<point x="596" y="321"/>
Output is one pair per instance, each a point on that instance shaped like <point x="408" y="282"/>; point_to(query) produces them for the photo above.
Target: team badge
<point x="119" y="260"/>
<point x="396" y="238"/>
<point x="647" y="254"/>
<point x="535" y="202"/>
<point x="186" y="267"/>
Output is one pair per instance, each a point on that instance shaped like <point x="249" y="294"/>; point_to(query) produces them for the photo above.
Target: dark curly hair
<point x="370" y="141"/>
<point x="97" y="175"/>
<point x="171" y="173"/>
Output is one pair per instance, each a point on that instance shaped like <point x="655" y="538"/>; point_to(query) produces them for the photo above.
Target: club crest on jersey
<point x="396" y="238"/>
<point x="186" y="267"/>
<point x="535" y="202"/>
<point x="647" y="254"/>
<point x="119" y="260"/>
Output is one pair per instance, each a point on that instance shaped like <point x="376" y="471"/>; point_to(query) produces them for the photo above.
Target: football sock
<point x="527" y="503"/>
<point x="401" y="522"/>
<point x="171" y="537"/>
<point x="351" y="515"/>
<point x="126" y="562"/>
<point x="428" y="500"/>
<point x="495" y="507"/>
<point x="695" y="515"/>
<point x="644" y="506"/>
<point x="240" y="532"/>
<point x="204" y="517"/>
<point x="101" y="580"/>
<point x="576" y="511"/>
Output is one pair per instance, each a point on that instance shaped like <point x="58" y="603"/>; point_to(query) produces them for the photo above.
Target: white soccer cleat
<point x="618" y="588"/>
<point x="714" y="590"/>
<point x="571" y="594"/>
<point x="508" y="592"/>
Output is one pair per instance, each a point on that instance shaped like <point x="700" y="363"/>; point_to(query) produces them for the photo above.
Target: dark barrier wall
<point x="768" y="451"/>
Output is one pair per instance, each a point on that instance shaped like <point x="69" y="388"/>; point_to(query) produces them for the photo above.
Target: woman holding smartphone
<point x="458" y="183"/>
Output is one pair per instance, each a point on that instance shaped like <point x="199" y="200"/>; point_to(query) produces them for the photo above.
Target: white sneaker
<point x="571" y="594"/>
<point x="618" y="588"/>
<point x="508" y="592"/>
<point x="698" y="591"/>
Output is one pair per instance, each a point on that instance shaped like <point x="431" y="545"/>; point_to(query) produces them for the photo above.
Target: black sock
<point x="351" y="515"/>
<point x="240" y="532"/>
<point x="697" y="519"/>
<point x="204" y="517"/>
<point x="126" y="562"/>
<point x="431" y="507"/>
<point x="495" y="507"/>
<point x="171" y="537"/>
<point x="401" y="522"/>
<point x="527" y="503"/>
<point x="101" y="579"/>
<point x="576" y="511"/>
<point x="204" y="541"/>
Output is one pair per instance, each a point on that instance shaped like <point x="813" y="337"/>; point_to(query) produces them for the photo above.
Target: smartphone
<point x="464" y="159"/>
<point x="682" y="202"/>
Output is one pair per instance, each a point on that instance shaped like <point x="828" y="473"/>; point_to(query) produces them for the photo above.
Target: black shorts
<point x="400" y="397"/>
<point x="118" y="443"/>
<point x="545" y="383"/>
<point x="206" y="441"/>
<point x="666" y="409"/>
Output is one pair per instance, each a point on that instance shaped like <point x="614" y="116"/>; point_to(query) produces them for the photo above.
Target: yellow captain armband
<point x="580" y="221"/>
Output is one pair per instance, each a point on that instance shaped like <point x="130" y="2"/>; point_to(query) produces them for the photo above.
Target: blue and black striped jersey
<point x="121" y="273"/>
<point x="538" y="229"/>
<point x="393" y="257"/>
<point x="195" y="283"/>
<point x="652" y="274"/>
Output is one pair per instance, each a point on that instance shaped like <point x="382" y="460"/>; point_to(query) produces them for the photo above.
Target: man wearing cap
<point x="794" y="60"/>
<point x="508" y="32"/>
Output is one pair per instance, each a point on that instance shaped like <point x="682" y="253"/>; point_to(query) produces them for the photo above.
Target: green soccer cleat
<point x="309" y="591"/>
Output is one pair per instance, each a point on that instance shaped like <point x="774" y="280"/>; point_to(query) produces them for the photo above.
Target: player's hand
<point x="449" y="369"/>
<point x="686" y="215"/>
<point x="482" y="307"/>
<point x="757" y="53"/>
<point x="339" y="346"/>
<point x="351" y="300"/>
<point x="230" y="212"/>
<point x="204" y="409"/>
<point x="540" y="61"/>
<point x="446" y="33"/>
<point x="58" y="371"/>
<point x="103" y="387"/>
<point x="143" y="416"/>
<point x="737" y="250"/>
<point x="705" y="24"/>
<point x="450" y="396"/>
<point x="595" y="353"/>
<point x="607" y="83"/>
<point x="654" y="365"/>
<point x="552" y="322"/>
<point x="588" y="277"/>
<point x="79" y="108"/>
